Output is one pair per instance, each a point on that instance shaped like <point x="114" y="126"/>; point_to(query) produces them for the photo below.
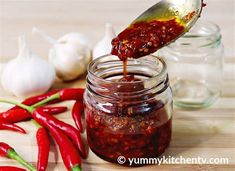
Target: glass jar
<point x="130" y="119"/>
<point x="194" y="64"/>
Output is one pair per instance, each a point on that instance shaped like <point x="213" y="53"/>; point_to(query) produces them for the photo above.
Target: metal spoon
<point x="186" y="11"/>
<point x="142" y="41"/>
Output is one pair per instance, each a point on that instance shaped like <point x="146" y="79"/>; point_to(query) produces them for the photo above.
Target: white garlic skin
<point x="70" y="56"/>
<point x="104" y="46"/>
<point x="27" y="75"/>
<point x="2" y="66"/>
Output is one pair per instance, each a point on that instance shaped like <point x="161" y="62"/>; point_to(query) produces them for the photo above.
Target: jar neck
<point x="150" y="78"/>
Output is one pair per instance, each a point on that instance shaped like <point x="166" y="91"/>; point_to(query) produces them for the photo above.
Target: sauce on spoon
<point x="145" y="37"/>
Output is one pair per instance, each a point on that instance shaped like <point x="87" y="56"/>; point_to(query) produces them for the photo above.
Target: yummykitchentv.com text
<point x="171" y="160"/>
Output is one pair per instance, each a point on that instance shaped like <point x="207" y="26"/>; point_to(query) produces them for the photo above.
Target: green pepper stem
<point x="52" y="97"/>
<point x="28" y="108"/>
<point x="36" y="123"/>
<point x="76" y="168"/>
<point x="13" y="155"/>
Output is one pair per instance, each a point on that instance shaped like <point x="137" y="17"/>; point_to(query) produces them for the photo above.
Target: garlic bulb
<point x="70" y="55"/>
<point x="104" y="46"/>
<point x="27" y="74"/>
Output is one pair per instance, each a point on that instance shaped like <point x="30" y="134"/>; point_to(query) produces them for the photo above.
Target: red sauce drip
<point x="129" y="78"/>
<point x="124" y="69"/>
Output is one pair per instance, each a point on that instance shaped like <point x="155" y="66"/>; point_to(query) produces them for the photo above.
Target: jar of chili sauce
<point x="131" y="116"/>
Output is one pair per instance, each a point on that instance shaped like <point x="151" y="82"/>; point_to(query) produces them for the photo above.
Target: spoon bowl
<point x="185" y="11"/>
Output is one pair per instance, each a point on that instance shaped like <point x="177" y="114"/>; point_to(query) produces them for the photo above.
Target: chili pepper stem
<point x="36" y="123"/>
<point x="13" y="155"/>
<point x="52" y="97"/>
<point x="28" y="108"/>
<point x="76" y="168"/>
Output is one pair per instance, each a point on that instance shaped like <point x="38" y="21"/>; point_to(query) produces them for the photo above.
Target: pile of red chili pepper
<point x="67" y="137"/>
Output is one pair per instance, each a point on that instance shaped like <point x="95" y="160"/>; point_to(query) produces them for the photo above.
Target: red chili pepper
<point x="54" y="110"/>
<point x="10" y="168"/>
<point x="35" y="99"/>
<point x="43" y="149"/>
<point x="64" y="94"/>
<point x="77" y="111"/>
<point x="69" y="130"/>
<point x="14" y="115"/>
<point x="72" y="94"/>
<point x="4" y="148"/>
<point x="68" y="152"/>
<point x="9" y="152"/>
<point x="12" y="127"/>
<point x="18" y="115"/>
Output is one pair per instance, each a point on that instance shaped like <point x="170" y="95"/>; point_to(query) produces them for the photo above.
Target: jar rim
<point x="160" y="75"/>
<point x="212" y="27"/>
<point x="203" y="31"/>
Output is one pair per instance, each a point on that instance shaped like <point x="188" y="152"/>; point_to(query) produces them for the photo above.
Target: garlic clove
<point x="104" y="47"/>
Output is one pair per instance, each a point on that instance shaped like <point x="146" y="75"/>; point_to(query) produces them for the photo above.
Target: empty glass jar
<point x="195" y="66"/>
